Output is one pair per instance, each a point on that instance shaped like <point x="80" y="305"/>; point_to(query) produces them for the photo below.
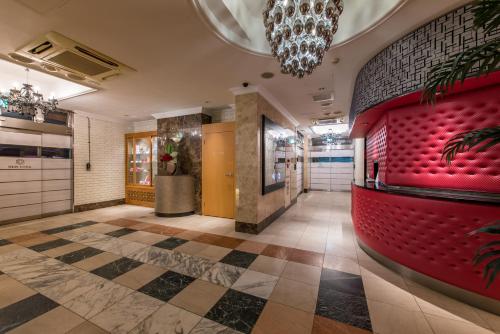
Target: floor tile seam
<point x="458" y="319"/>
<point x="209" y="244"/>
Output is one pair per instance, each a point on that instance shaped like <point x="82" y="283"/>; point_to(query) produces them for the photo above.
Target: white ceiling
<point x="181" y="63"/>
<point x="13" y="76"/>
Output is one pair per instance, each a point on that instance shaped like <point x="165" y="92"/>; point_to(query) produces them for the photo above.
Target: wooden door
<point x="218" y="179"/>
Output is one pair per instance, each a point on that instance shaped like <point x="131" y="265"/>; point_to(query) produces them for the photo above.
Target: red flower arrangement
<point x="166" y="157"/>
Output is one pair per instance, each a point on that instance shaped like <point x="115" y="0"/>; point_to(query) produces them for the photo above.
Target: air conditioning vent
<point x="78" y="63"/>
<point x="41" y="48"/>
<point x="71" y="58"/>
<point x="327" y="121"/>
<point x="323" y="97"/>
<point x="97" y="57"/>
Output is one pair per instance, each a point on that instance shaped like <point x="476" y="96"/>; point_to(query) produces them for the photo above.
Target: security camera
<point x="245" y="84"/>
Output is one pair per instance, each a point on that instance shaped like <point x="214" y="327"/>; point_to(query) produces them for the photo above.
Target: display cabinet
<point x="140" y="168"/>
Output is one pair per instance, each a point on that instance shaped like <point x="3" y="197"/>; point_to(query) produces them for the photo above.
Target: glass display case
<point x="141" y="168"/>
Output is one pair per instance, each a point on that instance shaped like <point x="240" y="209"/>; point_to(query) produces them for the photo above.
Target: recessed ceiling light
<point x="267" y="75"/>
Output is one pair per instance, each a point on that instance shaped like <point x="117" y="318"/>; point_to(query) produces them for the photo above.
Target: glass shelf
<point x="141" y="166"/>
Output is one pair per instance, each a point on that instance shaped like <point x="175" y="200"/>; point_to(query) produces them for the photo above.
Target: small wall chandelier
<point x="301" y="31"/>
<point x="26" y="101"/>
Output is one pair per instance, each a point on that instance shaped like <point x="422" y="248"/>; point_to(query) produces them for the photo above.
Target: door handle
<point x="228" y="174"/>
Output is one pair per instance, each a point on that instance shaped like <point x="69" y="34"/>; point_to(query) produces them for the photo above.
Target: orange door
<point x="218" y="181"/>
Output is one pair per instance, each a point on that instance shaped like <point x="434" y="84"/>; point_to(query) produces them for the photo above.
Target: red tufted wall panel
<point x="417" y="133"/>
<point x="426" y="235"/>
<point x="376" y="145"/>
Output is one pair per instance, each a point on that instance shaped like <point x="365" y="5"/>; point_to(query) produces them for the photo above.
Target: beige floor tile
<point x="252" y="247"/>
<point x="382" y="291"/>
<point x="341" y="264"/>
<point x="97" y="261"/>
<point x="191" y="247"/>
<point x="15" y="232"/>
<point x="323" y="325"/>
<point x="302" y="273"/>
<point x="198" y="297"/>
<point x="391" y="319"/>
<point x="58" y="251"/>
<point x="33" y="239"/>
<point x="447" y="326"/>
<point x="101" y="228"/>
<point x="140" y="276"/>
<point x="279" y="319"/>
<point x="255" y="283"/>
<point x="143" y="237"/>
<point x="491" y="319"/>
<point x="9" y="248"/>
<point x="268" y="265"/>
<point x="11" y="291"/>
<point x="434" y="303"/>
<point x="56" y="321"/>
<point x="295" y="294"/>
<point x="189" y="235"/>
<point x="87" y="328"/>
<point x="214" y="253"/>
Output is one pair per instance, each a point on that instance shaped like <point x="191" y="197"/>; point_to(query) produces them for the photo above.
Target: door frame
<point x="217" y="128"/>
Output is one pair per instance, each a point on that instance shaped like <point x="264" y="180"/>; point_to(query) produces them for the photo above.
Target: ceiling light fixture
<point x="27" y="101"/>
<point x="300" y="32"/>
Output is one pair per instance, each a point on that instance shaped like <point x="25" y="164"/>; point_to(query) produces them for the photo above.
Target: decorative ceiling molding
<point x="176" y="113"/>
<point x="268" y="96"/>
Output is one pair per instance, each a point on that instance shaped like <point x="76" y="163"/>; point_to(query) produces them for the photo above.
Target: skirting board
<point x="259" y="227"/>
<point x="468" y="297"/>
<point x="98" y="205"/>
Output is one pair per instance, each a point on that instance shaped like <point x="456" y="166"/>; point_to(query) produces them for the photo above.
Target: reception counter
<point x="424" y="234"/>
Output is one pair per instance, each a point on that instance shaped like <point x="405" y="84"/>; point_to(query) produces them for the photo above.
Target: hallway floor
<point x="123" y="270"/>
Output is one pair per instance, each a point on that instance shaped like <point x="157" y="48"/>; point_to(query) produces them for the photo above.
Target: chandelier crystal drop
<point x="300" y="32"/>
<point x="26" y="101"/>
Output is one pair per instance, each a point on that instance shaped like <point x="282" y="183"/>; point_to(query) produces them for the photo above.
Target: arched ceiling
<point x="240" y="22"/>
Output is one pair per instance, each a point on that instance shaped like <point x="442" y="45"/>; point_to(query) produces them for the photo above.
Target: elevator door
<point x="35" y="175"/>
<point x="218" y="182"/>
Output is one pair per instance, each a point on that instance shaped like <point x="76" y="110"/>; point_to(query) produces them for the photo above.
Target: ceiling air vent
<point x="323" y="97"/>
<point x="72" y="58"/>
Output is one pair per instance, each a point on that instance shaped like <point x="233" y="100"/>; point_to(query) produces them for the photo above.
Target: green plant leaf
<point x="459" y="66"/>
<point x="490" y="229"/>
<point x="486" y="14"/>
<point x="480" y="258"/>
<point x="491" y="269"/>
<point x="466" y="141"/>
<point x="487" y="245"/>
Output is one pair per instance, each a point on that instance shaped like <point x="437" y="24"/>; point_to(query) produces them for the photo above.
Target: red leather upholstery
<point x="376" y="145"/>
<point x="426" y="235"/>
<point x="416" y="136"/>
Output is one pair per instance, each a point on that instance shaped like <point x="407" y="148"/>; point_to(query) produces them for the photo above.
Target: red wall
<point x="376" y="145"/>
<point x="415" y="135"/>
<point x="426" y="235"/>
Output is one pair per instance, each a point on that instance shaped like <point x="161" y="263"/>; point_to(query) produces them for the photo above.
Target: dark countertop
<point x="450" y="194"/>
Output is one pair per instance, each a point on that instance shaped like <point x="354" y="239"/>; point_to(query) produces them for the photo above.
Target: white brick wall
<point x="106" y="179"/>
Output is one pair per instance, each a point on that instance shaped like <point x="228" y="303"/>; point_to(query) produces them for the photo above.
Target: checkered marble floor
<point x="136" y="273"/>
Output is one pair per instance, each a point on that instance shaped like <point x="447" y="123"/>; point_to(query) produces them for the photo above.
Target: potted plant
<point x="478" y="60"/>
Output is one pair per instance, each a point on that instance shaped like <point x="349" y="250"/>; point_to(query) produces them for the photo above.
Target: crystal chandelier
<point x="331" y="138"/>
<point x="26" y="101"/>
<point x="301" y="31"/>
